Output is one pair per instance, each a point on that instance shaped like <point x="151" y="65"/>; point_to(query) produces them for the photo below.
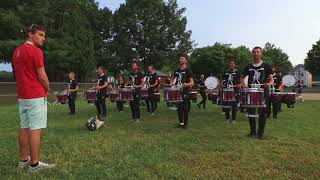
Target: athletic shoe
<point x="233" y="121"/>
<point x="227" y="121"/>
<point x="181" y="124"/>
<point x="261" y="137"/>
<point x="41" y="166"/>
<point x="252" y="135"/>
<point x="137" y="120"/>
<point x="22" y="165"/>
<point x="151" y="114"/>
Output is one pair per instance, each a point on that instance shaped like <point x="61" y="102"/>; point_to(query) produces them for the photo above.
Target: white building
<point x="302" y="75"/>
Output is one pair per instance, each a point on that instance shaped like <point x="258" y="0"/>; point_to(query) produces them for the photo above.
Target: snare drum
<point x="228" y="95"/>
<point x="173" y="94"/>
<point x="193" y="96"/>
<point x="156" y="97"/>
<point x="62" y="97"/>
<point x="125" y="94"/>
<point x="90" y="95"/>
<point x="276" y="97"/>
<point x="144" y="93"/>
<point x="113" y="95"/>
<point x="252" y="98"/>
<point x="289" y="99"/>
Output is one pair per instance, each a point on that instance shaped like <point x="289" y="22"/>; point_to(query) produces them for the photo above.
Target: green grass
<point x="155" y="149"/>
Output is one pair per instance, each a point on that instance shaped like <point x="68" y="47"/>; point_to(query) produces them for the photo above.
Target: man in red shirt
<point x="33" y="87"/>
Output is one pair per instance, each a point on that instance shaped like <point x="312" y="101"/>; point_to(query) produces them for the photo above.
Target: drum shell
<point x="276" y="97"/>
<point x="173" y="94"/>
<point x="156" y="97"/>
<point x="252" y="98"/>
<point x="90" y="95"/>
<point x="228" y="95"/>
<point x="62" y="97"/>
<point x="125" y="94"/>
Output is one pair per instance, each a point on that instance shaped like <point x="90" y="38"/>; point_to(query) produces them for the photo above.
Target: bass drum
<point x="211" y="82"/>
<point x="246" y="79"/>
<point x="289" y="80"/>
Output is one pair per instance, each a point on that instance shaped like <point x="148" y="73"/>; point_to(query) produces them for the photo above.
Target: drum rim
<point x="252" y="90"/>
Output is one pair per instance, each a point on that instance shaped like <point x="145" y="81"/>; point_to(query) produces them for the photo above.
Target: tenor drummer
<point x="184" y="79"/>
<point x="152" y="83"/>
<point x="137" y="82"/>
<point x="202" y="92"/>
<point x="101" y="88"/>
<point x="231" y="80"/>
<point x="259" y="75"/>
<point x="72" y="92"/>
<point x="276" y="87"/>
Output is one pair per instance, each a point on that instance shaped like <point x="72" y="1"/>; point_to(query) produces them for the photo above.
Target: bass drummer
<point x="276" y="87"/>
<point x="202" y="92"/>
<point x="184" y="78"/>
<point x="231" y="79"/>
<point x="259" y="75"/>
<point x="152" y="83"/>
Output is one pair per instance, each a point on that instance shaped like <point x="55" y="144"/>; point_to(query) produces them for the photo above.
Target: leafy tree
<point x="276" y="57"/>
<point x="312" y="62"/>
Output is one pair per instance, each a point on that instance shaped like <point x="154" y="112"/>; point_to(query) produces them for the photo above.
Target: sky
<point x="292" y="25"/>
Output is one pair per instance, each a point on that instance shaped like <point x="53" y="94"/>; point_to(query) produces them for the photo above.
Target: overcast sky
<point x="293" y="25"/>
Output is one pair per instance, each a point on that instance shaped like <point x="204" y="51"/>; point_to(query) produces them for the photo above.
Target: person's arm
<point x="270" y="82"/>
<point x="43" y="78"/>
<point x="155" y="83"/>
<point x="141" y="83"/>
<point x="74" y="90"/>
<point x="103" y="86"/>
<point x="190" y="83"/>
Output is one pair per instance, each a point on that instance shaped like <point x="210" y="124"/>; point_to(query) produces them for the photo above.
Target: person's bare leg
<point x="34" y="143"/>
<point x="24" y="143"/>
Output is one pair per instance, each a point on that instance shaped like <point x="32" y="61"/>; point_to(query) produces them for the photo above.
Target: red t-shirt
<point x="26" y="59"/>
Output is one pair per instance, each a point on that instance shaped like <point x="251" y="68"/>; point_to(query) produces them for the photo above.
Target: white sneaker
<point x="181" y="124"/>
<point x="23" y="165"/>
<point x="40" y="167"/>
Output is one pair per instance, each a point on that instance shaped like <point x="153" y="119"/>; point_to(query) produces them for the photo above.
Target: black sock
<point x="24" y="160"/>
<point x="34" y="165"/>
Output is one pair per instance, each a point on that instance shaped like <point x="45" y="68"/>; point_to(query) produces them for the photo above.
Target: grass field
<point x="155" y="149"/>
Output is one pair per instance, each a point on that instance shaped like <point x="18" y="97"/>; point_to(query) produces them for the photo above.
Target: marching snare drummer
<point x="152" y="83"/>
<point x="231" y="79"/>
<point x="184" y="78"/>
<point x="276" y="87"/>
<point x="258" y="73"/>
<point x="202" y="92"/>
<point x="72" y="92"/>
<point x="137" y="82"/>
<point x="101" y="88"/>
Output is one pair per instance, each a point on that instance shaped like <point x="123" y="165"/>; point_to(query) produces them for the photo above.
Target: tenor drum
<point x="276" y="97"/>
<point x="113" y="95"/>
<point x="144" y="93"/>
<point x="252" y="98"/>
<point x="62" y="97"/>
<point x="289" y="99"/>
<point x="228" y="95"/>
<point x="125" y="94"/>
<point x="156" y="97"/>
<point x="90" y="95"/>
<point x="193" y="96"/>
<point x="172" y="94"/>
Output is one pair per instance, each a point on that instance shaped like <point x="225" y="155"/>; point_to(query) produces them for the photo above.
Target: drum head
<point x="289" y="80"/>
<point x="246" y="80"/>
<point x="211" y="82"/>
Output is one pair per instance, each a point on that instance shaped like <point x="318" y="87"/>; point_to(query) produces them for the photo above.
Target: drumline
<point x="248" y="97"/>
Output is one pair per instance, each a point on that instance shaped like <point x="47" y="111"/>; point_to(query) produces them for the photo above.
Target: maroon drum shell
<point x="156" y="97"/>
<point x="90" y="95"/>
<point x="113" y="95"/>
<point x="228" y="95"/>
<point x="193" y="96"/>
<point x="172" y="95"/>
<point x="125" y="94"/>
<point x="62" y="98"/>
<point x="276" y="97"/>
<point x="252" y="98"/>
<point x="144" y="93"/>
<point x="289" y="98"/>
